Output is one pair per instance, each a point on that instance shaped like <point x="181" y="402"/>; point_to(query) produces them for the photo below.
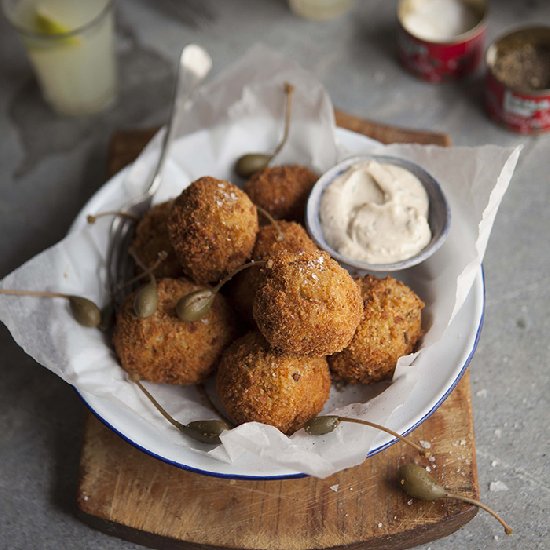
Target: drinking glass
<point x="70" y="44"/>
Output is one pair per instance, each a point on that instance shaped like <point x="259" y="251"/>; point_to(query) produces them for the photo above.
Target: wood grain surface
<point x="129" y="494"/>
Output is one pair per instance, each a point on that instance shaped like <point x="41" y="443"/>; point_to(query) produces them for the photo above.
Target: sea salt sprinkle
<point x="498" y="486"/>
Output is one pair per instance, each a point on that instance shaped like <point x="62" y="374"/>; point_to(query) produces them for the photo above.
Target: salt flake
<point x="498" y="486"/>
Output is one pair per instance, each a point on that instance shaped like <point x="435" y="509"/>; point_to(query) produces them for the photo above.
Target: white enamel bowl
<point x="444" y="364"/>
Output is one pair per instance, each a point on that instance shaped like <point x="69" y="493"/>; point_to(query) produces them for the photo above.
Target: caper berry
<point x="321" y="425"/>
<point x="85" y="312"/>
<point x="206" y="431"/>
<point x="247" y="165"/>
<point x="418" y="483"/>
<point x="325" y="424"/>
<point x="195" y="305"/>
<point x="146" y="300"/>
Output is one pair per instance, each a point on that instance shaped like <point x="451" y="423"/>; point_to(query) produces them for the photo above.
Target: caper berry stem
<point x="204" y="394"/>
<point x="205" y="431"/>
<point x="242" y="267"/>
<point x="35" y="293"/>
<point x="272" y="220"/>
<point x="196" y="304"/>
<point x="247" y="165"/>
<point x="147" y="271"/>
<point x="139" y="262"/>
<point x="507" y="529"/>
<point x="92" y="218"/>
<point x="146" y="297"/>
<point x="418" y="483"/>
<point x="158" y="406"/>
<point x="84" y="311"/>
<point x="422" y="451"/>
<point x="289" y="90"/>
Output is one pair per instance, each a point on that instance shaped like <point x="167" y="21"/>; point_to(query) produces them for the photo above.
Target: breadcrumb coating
<point x="307" y="304"/>
<point x="212" y="227"/>
<point x="164" y="349"/>
<point x="295" y="239"/>
<point x="255" y="383"/>
<point x="151" y="238"/>
<point x="282" y="190"/>
<point x="391" y="327"/>
<point x="242" y="289"/>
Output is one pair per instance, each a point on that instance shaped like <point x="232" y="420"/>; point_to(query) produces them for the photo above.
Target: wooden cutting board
<point x="129" y="494"/>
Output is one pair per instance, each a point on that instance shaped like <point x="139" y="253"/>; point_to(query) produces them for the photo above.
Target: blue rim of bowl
<point x="301" y="475"/>
<point x="313" y="222"/>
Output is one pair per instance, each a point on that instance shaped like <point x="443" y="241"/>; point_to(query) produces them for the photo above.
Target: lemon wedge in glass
<point x="48" y="24"/>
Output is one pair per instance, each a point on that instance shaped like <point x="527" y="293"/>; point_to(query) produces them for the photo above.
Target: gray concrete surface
<point x="50" y="166"/>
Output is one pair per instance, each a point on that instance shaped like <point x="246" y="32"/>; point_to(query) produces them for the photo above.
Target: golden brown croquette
<point x="151" y="238"/>
<point x="255" y="383"/>
<point x="268" y="241"/>
<point x="307" y="304"/>
<point x="164" y="349"/>
<point x="243" y="288"/>
<point x="212" y="227"/>
<point x="282" y="190"/>
<point x="390" y="328"/>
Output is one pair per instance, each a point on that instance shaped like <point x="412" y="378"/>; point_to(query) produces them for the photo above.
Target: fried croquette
<point x="162" y="348"/>
<point x="282" y="190"/>
<point x="307" y="304"/>
<point x="151" y="238"/>
<point x="269" y="243"/>
<point x="255" y="383"/>
<point x="390" y="328"/>
<point x="212" y="227"/>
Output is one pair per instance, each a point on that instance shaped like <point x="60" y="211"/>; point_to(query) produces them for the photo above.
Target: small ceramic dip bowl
<point x="439" y="216"/>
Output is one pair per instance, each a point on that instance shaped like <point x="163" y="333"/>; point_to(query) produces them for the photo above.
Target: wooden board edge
<point x="407" y="539"/>
<point x="387" y="133"/>
<point x="126" y="144"/>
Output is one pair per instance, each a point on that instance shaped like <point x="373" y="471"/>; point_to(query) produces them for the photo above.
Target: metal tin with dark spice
<point x="517" y="93"/>
<point x="436" y="61"/>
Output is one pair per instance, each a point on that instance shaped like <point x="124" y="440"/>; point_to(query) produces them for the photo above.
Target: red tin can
<point x="445" y="58"/>
<point x="517" y="87"/>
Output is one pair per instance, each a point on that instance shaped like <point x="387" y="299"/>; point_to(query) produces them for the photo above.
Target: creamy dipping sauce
<point x="376" y="213"/>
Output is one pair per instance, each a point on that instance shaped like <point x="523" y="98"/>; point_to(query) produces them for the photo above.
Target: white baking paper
<point x="238" y="112"/>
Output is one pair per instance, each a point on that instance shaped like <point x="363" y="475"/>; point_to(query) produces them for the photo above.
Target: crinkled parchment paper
<point x="241" y="111"/>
